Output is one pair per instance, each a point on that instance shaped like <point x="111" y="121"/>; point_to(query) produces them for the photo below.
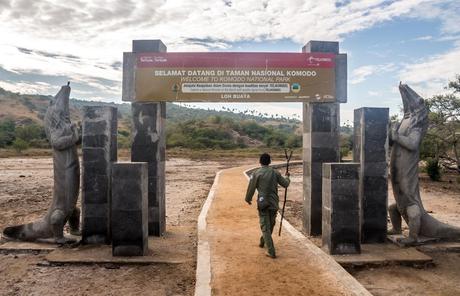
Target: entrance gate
<point x="317" y="77"/>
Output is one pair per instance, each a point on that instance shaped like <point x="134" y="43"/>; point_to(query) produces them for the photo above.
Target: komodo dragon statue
<point x="405" y="139"/>
<point x="63" y="138"/>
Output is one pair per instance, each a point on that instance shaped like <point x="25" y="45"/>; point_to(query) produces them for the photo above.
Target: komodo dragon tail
<point x="431" y="227"/>
<point x="28" y="232"/>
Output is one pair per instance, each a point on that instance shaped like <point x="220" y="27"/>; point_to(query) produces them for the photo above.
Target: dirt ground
<point x="442" y="200"/>
<point x="25" y="194"/>
<point x="239" y="266"/>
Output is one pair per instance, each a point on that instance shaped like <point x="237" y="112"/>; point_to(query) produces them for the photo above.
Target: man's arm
<point x="283" y="181"/>
<point x="251" y="189"/>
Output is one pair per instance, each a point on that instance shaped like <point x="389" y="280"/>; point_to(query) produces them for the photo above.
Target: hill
<point x="21" y="119"/>
<point x="31" y="108"/>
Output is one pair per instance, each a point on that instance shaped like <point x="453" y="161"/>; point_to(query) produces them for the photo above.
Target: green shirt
<point x="266" y="180"/>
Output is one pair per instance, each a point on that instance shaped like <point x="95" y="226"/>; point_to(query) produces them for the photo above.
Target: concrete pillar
<point x="149" y="140"/>
<point x="321" y="129"/>
<point x="149" y="146"/>
<point x="99" y="149"/>
<point x="321" y="126"/>
<point x="129" y="209"/>
<point x="341" y="225"/>
<point x="371" y="150"/>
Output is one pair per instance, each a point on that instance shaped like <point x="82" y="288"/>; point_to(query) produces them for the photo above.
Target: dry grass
<point x="277" y="154"/>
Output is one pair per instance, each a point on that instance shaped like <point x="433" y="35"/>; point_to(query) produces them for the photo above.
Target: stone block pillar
<point x="321" y="127"/>
<point x="149" y="146"/>
<point x="321" y="130"/>
<point x="371" y="150"/>
<point x="149" y="139"/>
<point x="99" y="149"/>
<point x="341" y="225"/>
<point x="129" y="209"/>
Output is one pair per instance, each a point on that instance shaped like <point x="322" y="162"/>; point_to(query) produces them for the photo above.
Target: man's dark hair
<point x="265" y="159"/>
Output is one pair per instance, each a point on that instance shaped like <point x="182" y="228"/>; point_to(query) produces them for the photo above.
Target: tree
<point x="346" y="140"/>
<point x="7" y="132"/>
<point x="30" y="132"/>
<point x="19" y="145"/>
<point x="444" y="118"/>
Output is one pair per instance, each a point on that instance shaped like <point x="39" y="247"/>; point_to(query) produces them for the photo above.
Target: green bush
<point x="346" y="142"/>
<point x="30" y="132"/>
<point x="254" y="130"/>
<point x="20" y="145"/>
<point x="344" y="151"/>
<point x="39" y="143"/>
<point x="123" y="142"/>
<point x="433" y="169"/>
<point x="294" y="141"/>
<point x="7" y="132"/>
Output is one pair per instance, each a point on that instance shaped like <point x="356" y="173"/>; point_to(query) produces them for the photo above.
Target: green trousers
<point x="267" y="220"/>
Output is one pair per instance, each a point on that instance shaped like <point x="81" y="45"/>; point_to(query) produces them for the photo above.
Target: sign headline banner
<point x="235" y="77"/>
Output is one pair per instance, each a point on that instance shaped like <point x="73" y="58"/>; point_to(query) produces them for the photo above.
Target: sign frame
<point x="155" y="48"/>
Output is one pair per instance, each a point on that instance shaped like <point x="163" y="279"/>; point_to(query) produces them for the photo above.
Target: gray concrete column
<point x="341" y="225"/>
<point x="129" y="209"/>
<point x="321" y="127"/>
<point x="321" y="130"/>
<point x="371" y="150"/>
<point x="99" y="147"/>
<point x="149" y="139"/>
<point x="149" y="146"/>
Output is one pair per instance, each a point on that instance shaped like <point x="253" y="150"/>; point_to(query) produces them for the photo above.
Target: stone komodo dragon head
<point x="414" y="105"/>
<point x="57" y="118"/>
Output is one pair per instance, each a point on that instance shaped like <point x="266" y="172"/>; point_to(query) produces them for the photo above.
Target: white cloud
<point x="360" y="74"/>
<point x="430" y="76"/>
<point x="446" y="11"/>
<point x="100" y="26"/>
<point x="423" y="38"/>
<point x="373" y="93"/>
<point x="97" y="32"/>
<point x="36" y="88"/>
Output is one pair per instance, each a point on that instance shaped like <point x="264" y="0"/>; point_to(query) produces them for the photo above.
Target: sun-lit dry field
<point x="442" y="199"/>
<point x="25" y="193"/>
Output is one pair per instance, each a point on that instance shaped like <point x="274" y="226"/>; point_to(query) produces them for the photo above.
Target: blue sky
<point x="45" y="43"/>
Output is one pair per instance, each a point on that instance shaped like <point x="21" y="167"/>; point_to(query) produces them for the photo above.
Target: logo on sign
<point x="160" y="59"/>
<point x="295" y="88"/>
<point x="316" y="61"/>
<point x="146" y="59"/>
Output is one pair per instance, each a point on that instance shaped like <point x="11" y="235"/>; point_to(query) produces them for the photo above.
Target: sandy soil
<point x="25" y="194"/>
<point x="442" y="200"/>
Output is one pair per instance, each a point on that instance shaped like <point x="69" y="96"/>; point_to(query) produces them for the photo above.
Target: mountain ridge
<point x="24" y="108"/>
<point x="186" y="127"/>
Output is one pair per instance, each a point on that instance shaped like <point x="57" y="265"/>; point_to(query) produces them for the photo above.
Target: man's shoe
<point x="270" y="255"/>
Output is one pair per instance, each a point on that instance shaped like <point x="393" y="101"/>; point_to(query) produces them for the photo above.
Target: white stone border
<point x="321" y="257"/>
<point x="203" y="262"/>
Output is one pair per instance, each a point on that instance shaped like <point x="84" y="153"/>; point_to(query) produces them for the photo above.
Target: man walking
<point x="266" y="181"/>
